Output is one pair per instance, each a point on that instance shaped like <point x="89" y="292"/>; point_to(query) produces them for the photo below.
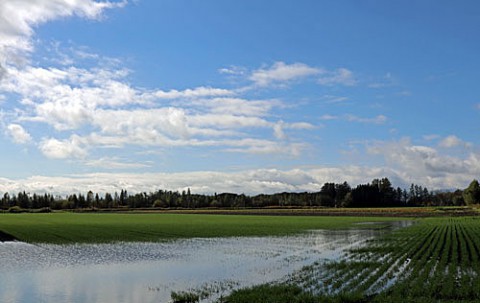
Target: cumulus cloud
<point x="450" y="141"/>
<point x="193" y="93"/>
<point x="3" y="71"/>
<point x="238" y="106"/>
<point x="100" y="100"/>
<point x="233" y="70"/>
<point x="206" y="182"/>
<point x="73" y="147"/>
<point x="426" y="165"/>
<point x="87" y="108"/>
<point x="170" y="122"/>
<point x="281" y="72"/>
<point x="453" y="141"/>
<point x="227" y="121"/>
<point x="404" y="163"/>
<point x="18" y="134"/>
<point x="67" y="99"/>
<point x="280" y="126"/>
<point x="19" y="17"/>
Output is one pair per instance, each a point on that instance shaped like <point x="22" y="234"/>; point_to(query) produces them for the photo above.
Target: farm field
<point x="64" y="228"/>
<point x="437" y="260"/>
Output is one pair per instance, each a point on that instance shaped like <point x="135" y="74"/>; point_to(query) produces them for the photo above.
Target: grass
<point x="437" y="260"/>
<point x="64" y="228"/>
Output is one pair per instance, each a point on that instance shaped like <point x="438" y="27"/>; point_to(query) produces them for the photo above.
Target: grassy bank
<point x="101" y="228"/>
<point x="437" y="260"/>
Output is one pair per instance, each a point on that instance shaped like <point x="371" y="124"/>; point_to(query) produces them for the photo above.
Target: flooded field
<point x="149" y="272"/>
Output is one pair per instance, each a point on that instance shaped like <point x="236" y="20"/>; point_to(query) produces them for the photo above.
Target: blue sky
<point x="239" y="96"/>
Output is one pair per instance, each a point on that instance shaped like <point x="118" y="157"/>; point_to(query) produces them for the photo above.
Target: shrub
<point x="16" y="210"/>
<point x="160" y="203"/>
<point x="42" y="210"/>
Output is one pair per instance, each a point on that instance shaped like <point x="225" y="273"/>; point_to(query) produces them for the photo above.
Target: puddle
<point x="149" y="272"/>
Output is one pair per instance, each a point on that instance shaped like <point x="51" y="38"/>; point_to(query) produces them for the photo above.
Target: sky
<point x="237" y="96"/>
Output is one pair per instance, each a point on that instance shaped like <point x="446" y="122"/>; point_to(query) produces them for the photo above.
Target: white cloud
<point x="118" y="114"/>
<point x="19" y="17"/>
<point x="281" y="72"/>
<point x="233" y="70"/>
<point x="67" y="99"/>
<point x="265" y="147"/>
<point x="278" y="131"/>
<point x="330" y="99"/>
<point x="426" y="165"/>
<point x="450" y="141"/>
<point x="170" y="122"/>
<point x="380" y="119"/>
<point x="280" y="126"/>
<point x="385" y="81"/>
<point x="299" y="125"/>
<point x="18" y="134"/>
<point x="96" y="107"/>
<point x="193" y="93"/>
<point x="453" y="141"/>
<point x="236" y="106"/>
<point x="431" y="137"/>
<point x="223" y="121"/>
<point x="63" y="149"/>
<point x="115" y="163"/>
<point x="329" y="117"/>
<point x="340" y="76"/>
<point x="404" y="164"/>
<point x="208" y="182"/>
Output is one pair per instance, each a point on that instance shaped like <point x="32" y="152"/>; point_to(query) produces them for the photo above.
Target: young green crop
<point x="434" y="261"/>
<point x="100" y="228"/>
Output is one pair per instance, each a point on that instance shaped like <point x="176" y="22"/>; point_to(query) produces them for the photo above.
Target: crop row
<point x="437" y="260"/>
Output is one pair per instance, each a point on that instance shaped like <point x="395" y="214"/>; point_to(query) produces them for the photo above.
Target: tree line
<point x="378" y="193"/>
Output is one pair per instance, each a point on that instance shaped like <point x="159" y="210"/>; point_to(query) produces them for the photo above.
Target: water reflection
<point x="148" y="272"/>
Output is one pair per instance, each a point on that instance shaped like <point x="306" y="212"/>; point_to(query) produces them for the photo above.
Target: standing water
<point x="149" y="272"/>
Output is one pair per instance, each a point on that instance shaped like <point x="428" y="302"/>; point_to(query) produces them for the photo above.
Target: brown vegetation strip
<point x="344" y="212"/>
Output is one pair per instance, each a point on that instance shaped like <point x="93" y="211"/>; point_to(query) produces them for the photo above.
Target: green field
<point x="62" y="228"/>
<point x="437" y="260"/>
